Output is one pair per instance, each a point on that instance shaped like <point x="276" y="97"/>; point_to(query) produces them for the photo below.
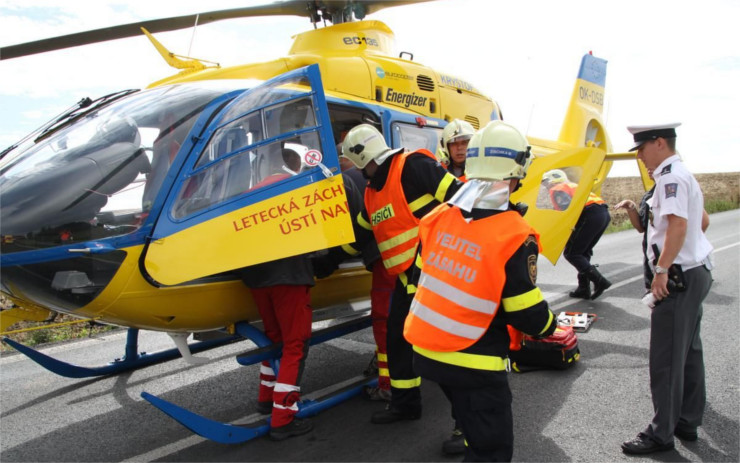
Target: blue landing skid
<point x="269" y="351"/>
<point x="234" y="434"/>
<point x="130" y="361"/>
<point x="224" y="433"/>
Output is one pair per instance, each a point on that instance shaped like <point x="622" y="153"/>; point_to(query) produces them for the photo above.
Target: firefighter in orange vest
<point x="453" y="145"/>
<point x="590" y="226"/>
<point x="402" y="188"/>
<point x="478" y="269"/>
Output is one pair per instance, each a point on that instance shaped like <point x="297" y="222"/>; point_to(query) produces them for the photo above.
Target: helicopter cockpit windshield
<point x="98" y="176"/>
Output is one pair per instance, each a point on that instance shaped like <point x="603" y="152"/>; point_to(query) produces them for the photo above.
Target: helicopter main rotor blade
<point x="328" y="8"/>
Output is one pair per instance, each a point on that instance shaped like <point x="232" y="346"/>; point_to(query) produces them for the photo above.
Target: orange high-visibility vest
<point x="395" y="227"/>
<point x="462" y="277"/>
<point x="570" y="189"/>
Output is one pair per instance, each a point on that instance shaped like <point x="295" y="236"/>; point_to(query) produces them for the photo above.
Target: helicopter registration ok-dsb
<point x="137" y="209"/>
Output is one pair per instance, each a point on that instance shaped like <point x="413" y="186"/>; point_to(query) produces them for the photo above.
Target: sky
<point x="668" y="61"/>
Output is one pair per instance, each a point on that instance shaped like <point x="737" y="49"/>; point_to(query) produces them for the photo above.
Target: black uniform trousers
<point x="676" y="358"/>
<point x="405" y="392"/>
<point x="590" y="226"/>
<point x="486" y="419"/>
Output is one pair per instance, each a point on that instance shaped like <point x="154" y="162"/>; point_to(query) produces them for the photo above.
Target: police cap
<point x="645" y="133"/>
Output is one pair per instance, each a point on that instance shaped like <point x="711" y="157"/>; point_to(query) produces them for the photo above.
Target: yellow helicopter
<point x="136" y="209"/>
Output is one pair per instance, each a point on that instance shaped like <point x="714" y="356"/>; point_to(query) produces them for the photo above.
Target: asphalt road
<point x="581" y="414"/>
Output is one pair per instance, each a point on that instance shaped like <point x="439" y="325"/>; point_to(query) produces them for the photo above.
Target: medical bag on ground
<point x="558" y="351"/>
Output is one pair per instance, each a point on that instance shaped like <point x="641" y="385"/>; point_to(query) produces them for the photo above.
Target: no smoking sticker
<point x="312" y="158"/>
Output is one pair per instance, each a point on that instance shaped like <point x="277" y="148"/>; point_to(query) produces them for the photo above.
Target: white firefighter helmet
<point x="365" y="143"/>
<point x="498" y="151"/>
<point x="456" y="130"/>
<point x="554" y="176"/>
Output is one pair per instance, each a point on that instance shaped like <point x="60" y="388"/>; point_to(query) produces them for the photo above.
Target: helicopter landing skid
<point x="130" y="361"/>
<point x="237" y="433"/>
<point x="225" y="433"/>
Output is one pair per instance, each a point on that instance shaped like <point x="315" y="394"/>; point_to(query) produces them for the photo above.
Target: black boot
<point x="584" y="287"/>
<point x="600" y="283"/>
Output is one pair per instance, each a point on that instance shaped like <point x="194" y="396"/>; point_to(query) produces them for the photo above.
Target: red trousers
<point x="380" y="301"/>
<point x="286" y="315"/>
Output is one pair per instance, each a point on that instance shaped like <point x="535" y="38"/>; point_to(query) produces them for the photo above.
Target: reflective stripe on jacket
<point x="462" y="278"/>
<point x="570" y="189"/>
<point x="395" y="227"/>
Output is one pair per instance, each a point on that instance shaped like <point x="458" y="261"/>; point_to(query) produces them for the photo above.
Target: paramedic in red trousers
<point x="403" y="187"/>
<point x="590" y="226"/>
<point x="681" y="280"/>
<point x="453" y="146"/>
<point x="280" y="290"/>
<point x="479" y="266"/>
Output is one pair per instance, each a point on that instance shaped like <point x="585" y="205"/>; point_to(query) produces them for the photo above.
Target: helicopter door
<point x="552" y="213"/>
<point x="258" y="186"/>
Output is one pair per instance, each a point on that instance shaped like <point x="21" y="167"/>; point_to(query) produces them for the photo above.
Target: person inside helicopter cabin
<point x="588" y="230"/>
<point x="453" y="146"/>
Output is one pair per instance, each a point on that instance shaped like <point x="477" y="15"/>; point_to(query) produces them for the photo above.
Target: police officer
<point x="681" y="262"/>
<point x="453" y="146"/>
<point x="590" y="226"/>
<point x="479" y="266"/>
<point x="402" y="188"/>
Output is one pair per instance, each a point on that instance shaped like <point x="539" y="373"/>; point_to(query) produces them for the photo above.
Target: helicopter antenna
<point x="192" y="37"/>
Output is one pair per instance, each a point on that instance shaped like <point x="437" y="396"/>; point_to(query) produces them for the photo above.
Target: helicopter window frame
<point x="288" y="92"/>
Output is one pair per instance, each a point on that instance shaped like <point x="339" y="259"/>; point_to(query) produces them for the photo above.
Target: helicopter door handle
<point x="92" y="248"/>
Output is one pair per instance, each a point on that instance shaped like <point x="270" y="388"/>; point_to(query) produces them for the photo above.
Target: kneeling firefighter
<point x="478" y="274"/>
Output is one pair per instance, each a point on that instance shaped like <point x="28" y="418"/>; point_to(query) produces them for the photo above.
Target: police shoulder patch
<point x="670" y="190"/>
<point x="532" y="268"/>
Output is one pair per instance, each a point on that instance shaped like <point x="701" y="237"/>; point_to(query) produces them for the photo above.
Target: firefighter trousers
<point x="405" y="391"/>
<point x="589" y="228"/>
<point x="487" y="423"/>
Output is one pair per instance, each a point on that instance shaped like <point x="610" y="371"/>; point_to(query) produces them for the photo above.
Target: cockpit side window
<point x="251" y="151"/>
<point x="98" y="176"/>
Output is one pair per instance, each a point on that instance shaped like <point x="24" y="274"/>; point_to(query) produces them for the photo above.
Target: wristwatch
<point x="659" y="270"/>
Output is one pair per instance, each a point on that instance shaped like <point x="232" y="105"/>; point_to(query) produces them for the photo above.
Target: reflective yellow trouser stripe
<point x="410" y="289"/>
<point x="382" y="357"/>
<point x="522" y="301"/>
<point x="384" y="372"/>
<point x="461" y="359"/>
<point x="406" y="383"/>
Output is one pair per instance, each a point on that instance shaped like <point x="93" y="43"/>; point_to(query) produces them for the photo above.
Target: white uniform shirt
<point x="677" y="192"/>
